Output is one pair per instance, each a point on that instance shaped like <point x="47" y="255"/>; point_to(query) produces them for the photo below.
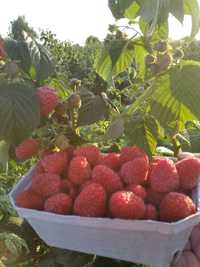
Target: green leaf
<point x="46" y="66"/>
<point x="4" y="149"/>
<point x="115" y="59"/>
<point x="115" y="130"/>
<point x="124" y="8"/>
<point x="140" y="54"/>
<point x="148" y="9"/>
<point x="93" y="108"/>
<point x="191" y="7"/>
<point x="103" y="65"/>
<point x="176" y="95"/>
<point x="19" y="110"/>
<point x="142" y="130"/>
<point x="177" y="10"/>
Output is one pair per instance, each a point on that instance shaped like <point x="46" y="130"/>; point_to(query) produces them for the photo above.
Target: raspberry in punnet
<point x="55" y="162"/>
<point x="151" y="212"/>
<point x="69" y="188"/>
<point x="189" y="172"/>
<point x="154" y="197"/>
<point x="164" y="177"/>
<point x="126" y="205"/>
<point x="176" y="206"/>
<point x="130" y="153"/>
<point x="48" y="100"/>
<point x="135" y="171"/>
<point x="91" y="202"/>
<point x="30" y="200"/>
<point x="79" y="170"/>
<point x="60" y="203"/>
<point x="137" y="190"/>
<point x="90" y="152"/>
<point x="46" y="184"/>
<point x="107" y="178"/>
<point x="82" y="186"/>
<point x="27" y="149"/>
<point x="110" y="160"/>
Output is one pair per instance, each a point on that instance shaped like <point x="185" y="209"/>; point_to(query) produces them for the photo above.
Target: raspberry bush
<point x="127" y="90"/>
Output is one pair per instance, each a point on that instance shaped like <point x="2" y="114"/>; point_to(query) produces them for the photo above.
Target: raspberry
<point x="91" y="202"/>
<point x="60" y="203"/>
<point x="30" y="200"/>
<point x="186" y="259"/>
<point x="90" y="152"/>
<point x="27" y="149"/>
<point x="2" y="50"/>
<point x="126" y="205"/>
<point x="48" y="100"/>
<point x="79" y="170"/>
<point x="39" y="168"/>
<point x="55" y="162"/>
<point x="110" y="160"/>
<point x="45" y="153"/>
<point x="154" y="197"/>
<point x="189" y="172"/>
<point x="69" y="188"/>
<point x="137" y="190"/>
<point x="130" y="153"/>
<point x="85" y="184"/>
<point x="150" y="212"/>
<point x="107" y="178"/>
<point x="164" y="176"/>
<point x="46" y="184"/>
<point x="176" y="206"/>
<point x="135" y="171"/>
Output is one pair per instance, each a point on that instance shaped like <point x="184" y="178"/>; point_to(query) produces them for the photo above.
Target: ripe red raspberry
<point x="82" y="186"/>
<point x="39" y="168"/>
<point x="110" y="160"/>
<point x="107" y="178"/>
<point x="91" y="202"/>
<point x="90" y="152"/>
<point x="164" y="176"/>
<point x="176" y="206"/>
<point x="189" y="172"/>
<point x="60" y="203"/>
<point x="79" y="170"/>
<point x="55" y="162"/>
<point x="154" y="197"/>
<point x="27" y="149"/>
<point x="46" y="184"/>
<point x="137" y="190"/>
<point x="135" y="171"/>
<point x="69" y="188"/>
<point x="48" y="100"/>
<point x="2" y="49"/>
<point x="150" y="212"/>
<point x="126" y="205"/>
<point x="45" y="153"/>
<point x="130" y="153"/>
<point x="30" y="200"/>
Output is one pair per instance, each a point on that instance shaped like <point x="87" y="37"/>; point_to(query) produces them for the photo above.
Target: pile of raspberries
<point x="127" y="185"/>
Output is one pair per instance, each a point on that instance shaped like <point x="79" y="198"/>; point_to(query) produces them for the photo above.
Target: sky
<point x="72" y="20"/>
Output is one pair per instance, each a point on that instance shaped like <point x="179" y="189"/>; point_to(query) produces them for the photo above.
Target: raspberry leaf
<point x="19" y="111"/>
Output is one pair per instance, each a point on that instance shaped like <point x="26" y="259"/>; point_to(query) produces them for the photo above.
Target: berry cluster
<point x="127" y="185"/>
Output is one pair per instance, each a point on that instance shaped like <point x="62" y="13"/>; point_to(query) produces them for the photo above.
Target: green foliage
<point x="19" y="111"/>
<point x="93" y="108"/>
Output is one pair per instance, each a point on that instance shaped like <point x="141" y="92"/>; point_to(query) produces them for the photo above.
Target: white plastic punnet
<point x="145" y="242"/>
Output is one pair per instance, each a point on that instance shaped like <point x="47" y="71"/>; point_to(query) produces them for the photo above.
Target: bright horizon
<point x="72" y="20"/>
